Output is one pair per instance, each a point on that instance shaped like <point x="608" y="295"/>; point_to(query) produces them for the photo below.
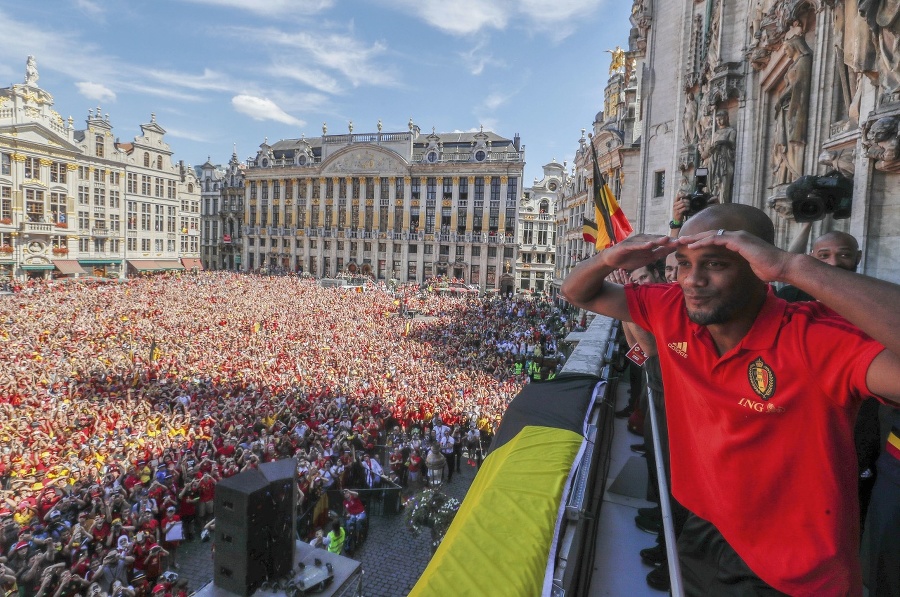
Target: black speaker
<point x="282" y="496"/>
<point x="255" y="521"/>
<point x="242" y="519"/>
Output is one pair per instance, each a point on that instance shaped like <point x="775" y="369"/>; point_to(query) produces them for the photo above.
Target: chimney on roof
<point x="516" y="141"/>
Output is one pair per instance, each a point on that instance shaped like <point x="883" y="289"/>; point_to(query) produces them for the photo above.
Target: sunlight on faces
<point x="838" y="249"/>
<point x="718" y="284"/>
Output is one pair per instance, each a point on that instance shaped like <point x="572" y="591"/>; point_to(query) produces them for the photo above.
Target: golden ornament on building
<point x="503" y="179"/>
<point x="46" y="162"/>
<point x="446" y="203"/>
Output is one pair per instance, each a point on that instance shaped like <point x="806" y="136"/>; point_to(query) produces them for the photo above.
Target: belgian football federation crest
<point x="762" y="379"/>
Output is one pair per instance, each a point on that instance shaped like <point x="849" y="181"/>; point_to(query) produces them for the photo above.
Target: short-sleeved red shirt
<point x="761" y="438"/>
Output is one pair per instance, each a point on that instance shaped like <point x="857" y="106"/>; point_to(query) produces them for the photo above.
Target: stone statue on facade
<point x="31" y="72"/>
<point x="689" y="120"/>
<point x="721" y="157"/>
<point x="881" y="140"/>
<point x="854" y="52"/>
<point x="792" y="110"/>
<point x="883" y="17"/>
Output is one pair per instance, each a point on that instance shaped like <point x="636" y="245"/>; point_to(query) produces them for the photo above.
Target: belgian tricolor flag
<point x="612" y="225"/>
<point x="502" y="540"/>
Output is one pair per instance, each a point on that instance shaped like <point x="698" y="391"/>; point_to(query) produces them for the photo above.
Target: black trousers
<point x="711" y="568"/>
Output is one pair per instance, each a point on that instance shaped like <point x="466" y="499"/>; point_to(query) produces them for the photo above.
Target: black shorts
<point x="711" y="568"/>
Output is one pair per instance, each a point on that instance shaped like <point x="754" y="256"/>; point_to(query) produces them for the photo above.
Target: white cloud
<point x="459" y="17"/>
<point x="89" y="7"/>
<point x="495" y="100"/>
<point x="189" y="135"/>
<point x="260" y="108"/>
<point x="208" y="81"/>
<point x="478" y="58"/>
<point x="339" y="52"/>
<point x="314" y="78"/>
<point x="273" y="8"/>
<point x="96" y="91"/>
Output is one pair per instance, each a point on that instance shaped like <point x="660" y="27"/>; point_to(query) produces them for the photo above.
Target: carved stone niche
<point x="727" y="81"/>
<point x="881" y="137"/>
<point x="774" y="24"/>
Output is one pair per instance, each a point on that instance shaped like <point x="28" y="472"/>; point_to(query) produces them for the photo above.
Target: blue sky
<point x="220" y="72"/>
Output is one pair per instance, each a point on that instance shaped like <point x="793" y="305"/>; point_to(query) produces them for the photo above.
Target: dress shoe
<point x="659" y="578"/>
<point x="639" y="449"/>
<point x="654" y="513"/>
<point x="648" y="525"/>
<point x="654" y="556"/>
<point x="625" y="412"/>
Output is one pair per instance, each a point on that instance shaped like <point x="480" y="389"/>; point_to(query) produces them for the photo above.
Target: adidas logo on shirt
<point x="679" y="347"/>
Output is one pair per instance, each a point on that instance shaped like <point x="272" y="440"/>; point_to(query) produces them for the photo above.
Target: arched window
<point x="159" y="162"/>
<point x="146" y="160"/>
<point x="545" y="206"/>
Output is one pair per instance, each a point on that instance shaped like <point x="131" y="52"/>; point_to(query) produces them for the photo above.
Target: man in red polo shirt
<point x="761" y="396"/>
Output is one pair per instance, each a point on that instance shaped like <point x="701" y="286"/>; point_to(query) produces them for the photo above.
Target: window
<point x="276" y="190"/>
<point x="98" y="145"/>
<point x="131" y="183"/>
<point x="132" y="216"/>
<point x="429" y="249"/>
<point x="170" y="220"/>
<point x="170" y="189"/>
<point x="6" y="203"/>
<point x="145" y="217"/>
<point x="479" y="191"/>
<point x="34" y="205"/>
<point x="84" y="220"/>
<point x="114" y="199"/>
<point x="145" y="245"/>
<point x="83" y="172"/>
<point x="659" y="183"/>
<point x="527" y="233"/>
<point x="84" y="195"/>
<point x="146" y="162"/>
<point x="492" y="252"/>
<point x="476" y="251"/>
<point x="5" y="164"/>
<point x="158" y="188"/>
<point x="131" y="244"/>
<point x="543" y="234"/>
<point x="160" y="214"/>
<point x="99" y="197"/>
<point x="159" y="162"/>
<point x="114" y="178"/>
<point x="32" y="168"/>
<point x="512" y="190"/>
<point x="431" y="189"/>
<point x="58" y="172"/>
<point x="460" y="252"/>
<point x="58" y="207"/>
<point x="115" y="223"/>
<point x="145" y="185"/>
<point x="84" y="245"/>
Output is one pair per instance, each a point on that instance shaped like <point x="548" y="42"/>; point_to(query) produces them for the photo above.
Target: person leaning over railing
<point x="761" y="397"/>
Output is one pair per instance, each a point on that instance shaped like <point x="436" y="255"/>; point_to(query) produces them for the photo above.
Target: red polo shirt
<point x="761" y="438"/>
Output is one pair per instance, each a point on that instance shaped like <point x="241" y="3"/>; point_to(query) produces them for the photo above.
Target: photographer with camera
<point x="759" y="400"/>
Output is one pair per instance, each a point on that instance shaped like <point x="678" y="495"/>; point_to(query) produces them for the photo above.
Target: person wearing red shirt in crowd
<point x="147" y="556"/>
<point x="188" y="502"/>
<point x="414" y="464"/>
<point x="353" y="506"/>
<point x="760" y="400"/>
<point x="207" y="488"/>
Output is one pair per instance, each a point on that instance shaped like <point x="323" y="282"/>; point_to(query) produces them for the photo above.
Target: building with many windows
<point x="537" y="231"/>
<point x="74" y="201"/>
<point x="401" y="206"/>
<point x="221" y="214"/>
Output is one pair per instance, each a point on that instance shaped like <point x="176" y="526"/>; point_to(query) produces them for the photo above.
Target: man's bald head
<point x="838" y="249"/>
<point x="732" y="216"/>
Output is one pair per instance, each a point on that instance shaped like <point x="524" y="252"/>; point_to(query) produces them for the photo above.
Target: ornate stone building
<point x="766" y="91"/>
<point x="221" y="214"/>
<point x="537" y="231"/>
<point x="394" y="205"/>
<point x="64" y="191"/>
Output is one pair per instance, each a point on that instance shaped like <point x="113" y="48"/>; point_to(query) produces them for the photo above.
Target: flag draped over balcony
<point x="612" y="225"/>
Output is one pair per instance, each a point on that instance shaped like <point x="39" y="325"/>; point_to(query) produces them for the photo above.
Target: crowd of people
<point x="122" y="404"/>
